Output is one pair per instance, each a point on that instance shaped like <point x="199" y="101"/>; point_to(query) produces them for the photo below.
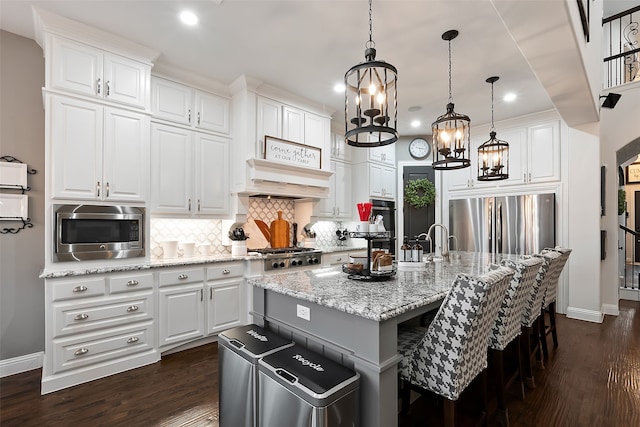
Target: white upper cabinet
<point x="385" y="154"/>
<point x="293" y="126"/>
<point x="92" y="72"/>
<point x="339" y="148"/>
<point x="185" y="105"/>
<point x="190" y="172"/>
<point x="98" y="153"/>
<point x="534" y="157"/>
<point x="340" y="201"/>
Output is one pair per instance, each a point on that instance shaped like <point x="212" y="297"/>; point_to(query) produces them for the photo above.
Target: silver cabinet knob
<point x="183" y="277"/>
<point x="82" y="316"/>
<point x="225" y="271"/>
<point x="133" y="283"/>
<point x="80" y="288"/>
<point x="132" y="340"/>
<point x="132" y="308"/>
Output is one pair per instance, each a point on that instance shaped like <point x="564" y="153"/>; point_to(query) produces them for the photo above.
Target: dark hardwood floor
<point x="592" y="380"/>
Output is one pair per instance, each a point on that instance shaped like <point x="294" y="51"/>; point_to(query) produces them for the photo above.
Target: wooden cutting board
<point x="280" y="232"/>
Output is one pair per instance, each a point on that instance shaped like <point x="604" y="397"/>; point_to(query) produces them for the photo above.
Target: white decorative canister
<point x="239" y="248"/>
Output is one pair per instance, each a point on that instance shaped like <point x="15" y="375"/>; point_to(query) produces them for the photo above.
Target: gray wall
<point x="22" y="254"/>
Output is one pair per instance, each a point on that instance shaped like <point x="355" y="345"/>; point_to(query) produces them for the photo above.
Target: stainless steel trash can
<point x="301" y="388"/>
<point x="238" y="352"/>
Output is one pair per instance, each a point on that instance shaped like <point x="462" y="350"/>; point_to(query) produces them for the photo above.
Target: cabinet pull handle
<point x="98" y="188"/>
<point x="133" y="283"/>
<point x="183" y="277"/>
<point x="210" y="293"/>
<point x="80" y="288"/>
<point x="529" y="176"/>
<point x="132" y="340"/>
<point x="198" y="205"/>
<point x="107" y="85"/>
<point x="99" y="85"/>
<point x="524" y="177"/>
<point x="107" y="189"/>
<point x="189" y="204"/>
<point x="81" y="351"/>
<point x="189" y="116"/>
<point x="226" y="271"/>
<point x="198" y="117"/>
<point x="132" y="308"/>
<point x="201" y="295"/>
<point x="82" y="316"/>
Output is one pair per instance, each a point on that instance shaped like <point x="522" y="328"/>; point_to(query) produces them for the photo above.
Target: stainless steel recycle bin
<point x="303" y="389"/>
<point x="238" y="352"/>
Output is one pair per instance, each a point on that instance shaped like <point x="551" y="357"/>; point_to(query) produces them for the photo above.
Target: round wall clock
<point x="419" y="148"/>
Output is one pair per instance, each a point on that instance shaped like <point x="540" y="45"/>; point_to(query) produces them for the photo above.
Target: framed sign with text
<point x="633" y="173"/>
<point x="292" y="153"/>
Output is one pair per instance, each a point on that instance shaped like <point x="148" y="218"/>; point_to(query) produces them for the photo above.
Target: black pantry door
<point x="417" y="221"/>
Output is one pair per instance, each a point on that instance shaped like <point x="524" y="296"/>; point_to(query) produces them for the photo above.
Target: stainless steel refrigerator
<point x="521" y="225"/>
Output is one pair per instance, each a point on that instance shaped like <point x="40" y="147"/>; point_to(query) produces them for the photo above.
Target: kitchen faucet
<point x="445" y="250"/>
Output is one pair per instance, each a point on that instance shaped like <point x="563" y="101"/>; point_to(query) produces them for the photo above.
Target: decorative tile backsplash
<point x="200" y="231"/>
<point x="210" y="231"/>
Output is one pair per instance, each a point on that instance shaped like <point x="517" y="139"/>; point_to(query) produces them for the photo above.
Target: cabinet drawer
<point x="79" y="288"/>
<point x="78" y="352"/>
<point x="225" y="271"/>
<point x="74" y="318"/>
<point x="131" y="282"/>
<point x="180" y="277"/>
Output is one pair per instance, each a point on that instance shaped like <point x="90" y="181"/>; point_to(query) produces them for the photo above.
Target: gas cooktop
<point x="289" y="250"/>
<point x="292" y="257"/>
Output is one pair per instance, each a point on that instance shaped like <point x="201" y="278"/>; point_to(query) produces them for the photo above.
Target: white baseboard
<point x="21" y="364"/>
<point x="629" y="294"/>
<point x="586" y="315"/>
<point x="610" y="309"/>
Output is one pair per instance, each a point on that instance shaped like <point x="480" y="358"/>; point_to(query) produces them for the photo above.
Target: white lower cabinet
<point x="181" y="294"/>
<point x="97" y="326"/>
<point x="191" y="307"/>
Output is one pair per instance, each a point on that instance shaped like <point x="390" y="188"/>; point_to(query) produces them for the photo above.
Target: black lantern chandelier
<point x="493" y="155"/>
<point x="371" y="99"/>
<point x="451" y="131"/>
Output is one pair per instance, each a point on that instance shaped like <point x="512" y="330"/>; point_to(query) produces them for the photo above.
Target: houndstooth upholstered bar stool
<point x="507" y="327"/>
<point x="530" y="337"/>
<point x="549" y="302"/>
<point x="448" y="354"/>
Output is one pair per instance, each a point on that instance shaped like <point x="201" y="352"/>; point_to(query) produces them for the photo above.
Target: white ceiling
<point x="306" y="46"/>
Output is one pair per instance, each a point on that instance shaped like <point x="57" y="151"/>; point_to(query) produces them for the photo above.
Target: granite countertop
<point x="82" y="270"/>
<point x="378" y="301"/>
<point x="87" y="268"/>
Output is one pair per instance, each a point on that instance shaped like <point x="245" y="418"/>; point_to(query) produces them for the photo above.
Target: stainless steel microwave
<point x="89" y="232"/>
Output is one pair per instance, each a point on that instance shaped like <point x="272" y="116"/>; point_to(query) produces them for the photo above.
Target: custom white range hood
<point x="259" y="110"/>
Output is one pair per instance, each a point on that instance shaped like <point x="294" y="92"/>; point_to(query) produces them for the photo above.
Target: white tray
<point x="13" y="174"/>
<point x="406" y="265"/>
<point x="14" y="206"/>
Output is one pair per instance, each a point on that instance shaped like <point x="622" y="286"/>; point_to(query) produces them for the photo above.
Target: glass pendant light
<point x="451" y="131"/>
<point x="493" y="155"/>
<point x="370" y="102"/>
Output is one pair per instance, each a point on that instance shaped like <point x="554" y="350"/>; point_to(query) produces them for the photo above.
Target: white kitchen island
<point x="356" y="322"/>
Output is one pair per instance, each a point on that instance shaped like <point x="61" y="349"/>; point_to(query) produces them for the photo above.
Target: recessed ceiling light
<point x="339" y="87"/>
<point x="188" y="18"/>
<point x="415" y="123"/>
<point x="510" y="97"/>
